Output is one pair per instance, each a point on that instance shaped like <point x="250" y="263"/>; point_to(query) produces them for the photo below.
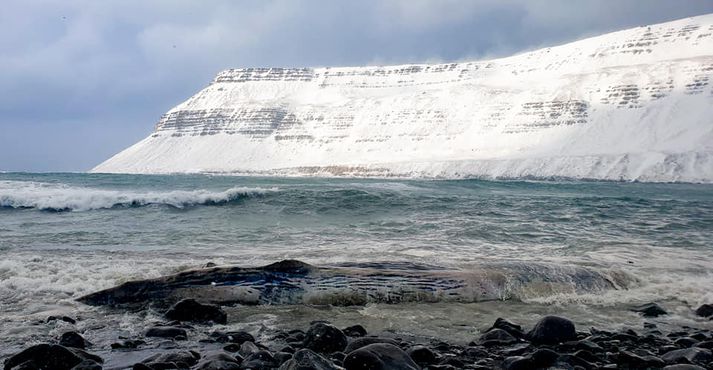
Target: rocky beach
<point x="186" y="339"/>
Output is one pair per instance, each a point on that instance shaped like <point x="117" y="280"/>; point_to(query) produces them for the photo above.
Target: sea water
<point x="66" y="235"/>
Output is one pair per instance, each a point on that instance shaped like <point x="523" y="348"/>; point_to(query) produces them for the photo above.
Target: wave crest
<point x="60" y="198"/>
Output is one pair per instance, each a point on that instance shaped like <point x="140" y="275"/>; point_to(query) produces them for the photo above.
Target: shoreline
<point x="189" y="335"/>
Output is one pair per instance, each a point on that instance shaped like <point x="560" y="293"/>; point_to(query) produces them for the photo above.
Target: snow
<point x="630" y="105"/>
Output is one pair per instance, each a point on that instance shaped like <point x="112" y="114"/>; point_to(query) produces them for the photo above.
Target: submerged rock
<point x="73" y="339"/>
<point x="192" y="310"/>
<point x="552" y="330"/>
<point x="379" y="356"/>
<point x="650" y="310"/>
<point x="325" y="338"/>
<point x="166" y="332"/>
<point x="62" y="318"/>
<point x="705" y="310"/>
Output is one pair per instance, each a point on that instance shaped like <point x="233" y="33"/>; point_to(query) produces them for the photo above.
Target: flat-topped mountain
<point x="630" y="105"/>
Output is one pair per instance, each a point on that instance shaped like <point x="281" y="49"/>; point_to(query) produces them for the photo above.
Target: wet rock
<point x="695" y="355"/>
<point x="192" y="310"/>
<point x="705" y="344"/>
<point x="219" y="360"/>
<point x="282" y="357"/>
<point x="248" y="348"/>
<point x="496" y="337"/>
<point x="166" y="332"/>
<point x="705" y="310"/>
<point x="238" y="337"/>
<point x="84" y="355"/>
<point x="62" y="318"/>
<point x="73" y="339"/>
<point x="422" y="355"/>
<point x="634" y="361"/>
<point x="325" y="338"/>
<point x="517" y="363"/>
<point x="355" y="331"/>
<point x="365" y="341"/>
<point x="232" y="348"/>
<point x="177" y="359"/>
<point x="683" y="367"/>
<point x="513" y="329"/>
<point x="44" y="356"/>
<point x="260" y="360"/>
<point x="543" y="357"/>
<point x="516" y="350"/>
<point x="650" y="310"/>
<point x="87" y="365"/>
<point x="128" y="344"/>
<point x="685" y="342"/>
<point x="379" y="356"/>
<point x="552" y="330"/>
<point x="306" y="359"/>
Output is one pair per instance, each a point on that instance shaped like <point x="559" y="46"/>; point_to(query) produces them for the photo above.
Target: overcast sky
<point x="81" y="80"/>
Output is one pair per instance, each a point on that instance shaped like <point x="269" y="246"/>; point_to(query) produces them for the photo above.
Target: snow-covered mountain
<point x="630" y="105"/>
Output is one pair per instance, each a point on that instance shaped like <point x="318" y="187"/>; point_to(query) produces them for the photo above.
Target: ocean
<point x="65" y="235"/>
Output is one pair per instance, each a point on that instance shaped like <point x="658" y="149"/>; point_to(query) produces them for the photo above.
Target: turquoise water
<point x="65" y="235"/>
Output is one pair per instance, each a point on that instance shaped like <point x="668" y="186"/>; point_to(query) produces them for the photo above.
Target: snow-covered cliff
<point x="629" y="105"/>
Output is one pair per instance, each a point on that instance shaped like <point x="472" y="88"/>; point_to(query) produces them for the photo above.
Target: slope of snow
<point x="629" y="105"/>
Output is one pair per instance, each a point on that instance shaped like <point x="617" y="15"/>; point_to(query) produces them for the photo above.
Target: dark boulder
<point x="496" y="337"/>
<point x="379" y="356"/>
<point x="695" y="355"/>
<point x="365" y="341"/>
<point x="517" y="363"/>
<point x="325" y="338"/>
<point x="683" y="367"/>
<point x="552" y="330"/>
<point x="73" y="339"/>
<point x="44" y="356"/>
<point x="513" y="329"/>
<point x="631" y="360"/>
<point x="354" y="331"/>
<point x="179" y="359"/>
<point x="422" y="355"/>
<point x="260" y="360"/>
<point x="166" y="332"/>
<point x="650" y="310"/>
<point x="248" y="348"/>
<point x="305" y="359"/>
<point x="705" y="310"/>
<point x="219" y="360"/>
<point x="192" y="310"/>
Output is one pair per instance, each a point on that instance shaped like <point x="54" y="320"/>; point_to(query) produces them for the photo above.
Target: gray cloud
<point x="81" y="80"/>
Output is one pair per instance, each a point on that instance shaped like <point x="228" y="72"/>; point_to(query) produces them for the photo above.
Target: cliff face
<point x="631" y="105"/>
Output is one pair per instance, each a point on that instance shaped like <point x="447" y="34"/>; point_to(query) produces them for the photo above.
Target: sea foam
<point x="59" y="197"/>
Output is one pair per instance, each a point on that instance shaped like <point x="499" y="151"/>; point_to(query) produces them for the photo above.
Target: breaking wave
<point x="61" y="198"/>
